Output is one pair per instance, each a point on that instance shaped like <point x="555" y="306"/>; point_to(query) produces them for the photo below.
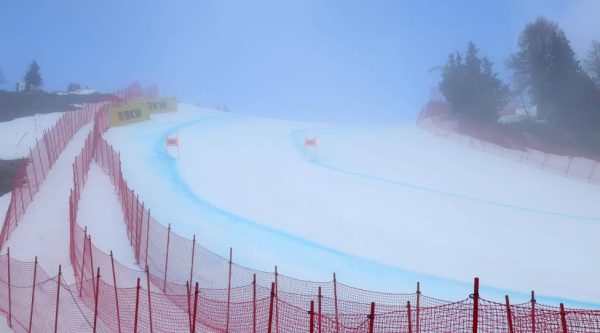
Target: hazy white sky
<point x="320" y="60"/>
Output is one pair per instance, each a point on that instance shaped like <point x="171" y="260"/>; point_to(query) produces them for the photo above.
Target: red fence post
<point x="319" y="309"/>
<point x="188" y="291"/>
<point x="37" y="184"/>
<point x="409" y="317"/>
<point x="32" y="294"/>
<point x="148" y="238"/>
<point x="475" y="297"/>
<point x="509" y="315"/>
<point x="270" y="322"/>
<point x="592" y="171"/>
<point x="563" y="318"/>
<point x="28" y="183"/>
<point x="96" y="292"/>
<point x="91" y="264"/>
<point x="22" y="170"/>
<point x="311" y="321"/>
<point x="112" y="263"/>
<point x="138" y="235"/>
<point x="254" y="303"/>
<point x="276" y="302"/>
<point x="137" y="305"/>
<point x="569" y="166"/>
<point x="229" y="290"/>
<point x="82" y="262"/>
<point x="167" y="258"/>
<point x="37" y="145"/>
<point x="8" y="285"/>
<point x="372" y="318"/>
<point x="195" y="309"/>
<point x="149" y="299"/>
<point x="192" y="262"/>
<point x="57" y="299"/>
<point x="418" y="321"/>
<point x="335" y="304"/>
<point x="532" y="311"/>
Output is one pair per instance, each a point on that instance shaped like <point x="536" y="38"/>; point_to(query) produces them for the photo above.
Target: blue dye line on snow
<point x="296" y="139"/>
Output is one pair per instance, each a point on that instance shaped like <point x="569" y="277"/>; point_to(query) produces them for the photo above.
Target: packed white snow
<point x="19" y="135"/>
<point x="44" y="229"/>
<point x="100" y="211"/>
<point x="383" y="206"/>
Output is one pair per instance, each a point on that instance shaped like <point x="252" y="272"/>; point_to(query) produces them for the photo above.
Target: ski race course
<point x="382" y="206"/>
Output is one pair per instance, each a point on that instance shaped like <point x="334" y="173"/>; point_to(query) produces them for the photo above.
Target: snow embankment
<point x="19" y="135"/>
<point x="100" y="211"/>
<point x="44" y="229"/>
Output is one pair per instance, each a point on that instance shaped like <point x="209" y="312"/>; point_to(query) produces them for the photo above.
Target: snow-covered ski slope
<point x="382" y="206"/>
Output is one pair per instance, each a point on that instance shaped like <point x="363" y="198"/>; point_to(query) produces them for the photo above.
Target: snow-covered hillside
<point x="18" y="135"/>
<point x="383" y="206"/>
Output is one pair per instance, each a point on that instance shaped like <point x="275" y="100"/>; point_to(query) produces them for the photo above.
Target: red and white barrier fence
<point x="182" y="286"/>
<point x="434" y="118"/>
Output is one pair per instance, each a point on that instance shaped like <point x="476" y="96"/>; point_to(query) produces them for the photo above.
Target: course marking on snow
<point x="183" y="186"/>
<point x="298" y="135"/>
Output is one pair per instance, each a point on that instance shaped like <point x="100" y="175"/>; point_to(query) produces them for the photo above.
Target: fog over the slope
<point x="335" y="61"/>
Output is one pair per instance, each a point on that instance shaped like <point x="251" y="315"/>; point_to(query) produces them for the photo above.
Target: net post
<point x="96" y="292"/>
<point x="37" y="145"/>
<point x="137" y="305"/>
<point x="569" y="166"/>
<point x="22" y="170"/>
<point x="418" y="318"/>
<point x="37" y="185"/>
<point x="35" y="264"/>
<point x="188" y="291"/>
<point x="409" y="317"/>
<point x="149" y="298"/>
<point x="592" y="171"/>
<point x="82" y="261"/>
<point x="311" y="321"/>
<point x="192" y="261"/>
<point x="138" y="235"/>
<point x="148" y="239"/>
<point x="229" y="290"/>
<point x="8" y="285"/>
<point x="112" y="263"/>
<point x="28" y="183"/>
<point x="563" y="318"/>
<point x="196" y="292"/>
<point x="89" y="239"/>
<point x="276" y="301"/>
<point x="320" y="300"/>
<point x="57" y="298"/>
<point x="166" y="258"/>
<point x="532" y="311"/>
<point x="270" y="322"/>
<point x="254" y="303"/>
<point x="475" y="297"/>
<point x="335" y="302"/>
<point x="372" y="318"/>
<point x="509" y="315"/>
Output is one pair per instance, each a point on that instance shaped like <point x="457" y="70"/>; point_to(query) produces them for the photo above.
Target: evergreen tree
<point x="471" y="87"/>
<point x="545" y="67"/>
<point x="592" y="62"/>
<point x="33" y="79"/>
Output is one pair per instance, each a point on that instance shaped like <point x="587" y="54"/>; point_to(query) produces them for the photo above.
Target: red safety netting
<point x="182" y="286"/>
<point x="436" y="117"/>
